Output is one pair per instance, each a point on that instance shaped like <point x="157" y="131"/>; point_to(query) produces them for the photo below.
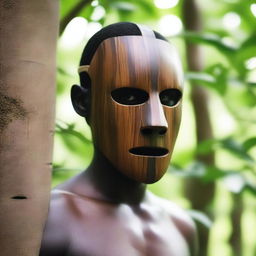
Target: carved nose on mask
<point x="154" y="121"/>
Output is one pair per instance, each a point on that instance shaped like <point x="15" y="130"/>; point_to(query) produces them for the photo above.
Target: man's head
<point x="130" y="94"/>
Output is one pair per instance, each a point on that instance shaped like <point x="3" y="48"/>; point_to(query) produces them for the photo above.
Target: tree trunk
<point x="236" y="216"/>
<point x="28" y="33"/>
<point x="199" y="194"/>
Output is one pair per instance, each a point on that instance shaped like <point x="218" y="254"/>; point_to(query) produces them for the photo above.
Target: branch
<point x="72" y="14"/>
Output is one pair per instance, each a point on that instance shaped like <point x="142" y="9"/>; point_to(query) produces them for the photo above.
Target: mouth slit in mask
<point x="149" y="151"/>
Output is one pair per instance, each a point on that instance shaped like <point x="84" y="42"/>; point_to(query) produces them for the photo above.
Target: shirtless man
<point x="130" y="95"/>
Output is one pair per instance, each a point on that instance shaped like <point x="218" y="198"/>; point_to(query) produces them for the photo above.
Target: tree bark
<point x="199" y="194"/>
<point x="28" y="32"/>
<point x="236" y="216"/>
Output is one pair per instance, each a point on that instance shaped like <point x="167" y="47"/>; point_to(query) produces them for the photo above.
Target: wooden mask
<point x="136" y="90"/>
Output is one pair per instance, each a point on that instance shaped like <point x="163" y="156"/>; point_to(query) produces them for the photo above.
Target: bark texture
<point x="28" y="32"/>
<point x="236" y="234"/>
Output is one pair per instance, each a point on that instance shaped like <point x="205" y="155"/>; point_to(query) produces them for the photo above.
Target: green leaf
<point x="123" y="6"/>
<point x="209" y="39"/>
<point x="246" y="50"/>
<point x="200" y="217"/>
<point x="215" y="77"/>
<point x="249" y="41"/>
<point x="238" y="149"/>
<point x="220" y="73"/>
<point x="206" y="146"/>
<point x="213" y="173"/>
<point x="200" y="77"/>
<point x="249" y="143"/>
<point x="148" y="7"/>
<point x="250" y="188"/>
<point x="194" y="170"/>
<point x="251" y="84"/>
<point x="65" y="7"/>
<point x="63" y="71"/>
<point x="235" y="148"/>
<point x="87" y="12"/>
<point x="69" y="130"/>
<point x="200" y="171"/>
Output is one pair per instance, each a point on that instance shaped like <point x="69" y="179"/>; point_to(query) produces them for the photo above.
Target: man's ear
<point x="80" y="98"/>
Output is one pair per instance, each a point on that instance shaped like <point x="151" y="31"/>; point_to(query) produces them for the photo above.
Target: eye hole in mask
<point x="170" y="97"/>
<point x="129" y="96"/>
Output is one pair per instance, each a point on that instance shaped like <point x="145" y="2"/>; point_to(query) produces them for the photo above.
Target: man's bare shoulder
<point x="57" y="228"/>
<point x="181" y="220"/>
<point x="64" y="205"/>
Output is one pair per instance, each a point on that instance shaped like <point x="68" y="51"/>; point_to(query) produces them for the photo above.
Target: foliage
<point x="229" y="76"/>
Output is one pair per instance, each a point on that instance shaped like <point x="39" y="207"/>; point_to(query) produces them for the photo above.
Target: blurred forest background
<point x="212" y="172"/>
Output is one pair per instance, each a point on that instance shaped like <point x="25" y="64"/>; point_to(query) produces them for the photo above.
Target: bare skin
<point x="101" y="212"/>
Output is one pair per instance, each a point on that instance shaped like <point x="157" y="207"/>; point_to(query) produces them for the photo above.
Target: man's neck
<point x="110" y="184"/>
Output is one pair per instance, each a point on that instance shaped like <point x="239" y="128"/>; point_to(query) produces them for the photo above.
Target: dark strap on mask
<point x="145" y="32"/>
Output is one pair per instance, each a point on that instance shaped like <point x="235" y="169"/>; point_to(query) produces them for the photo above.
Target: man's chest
<point x="119" y="236"/>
